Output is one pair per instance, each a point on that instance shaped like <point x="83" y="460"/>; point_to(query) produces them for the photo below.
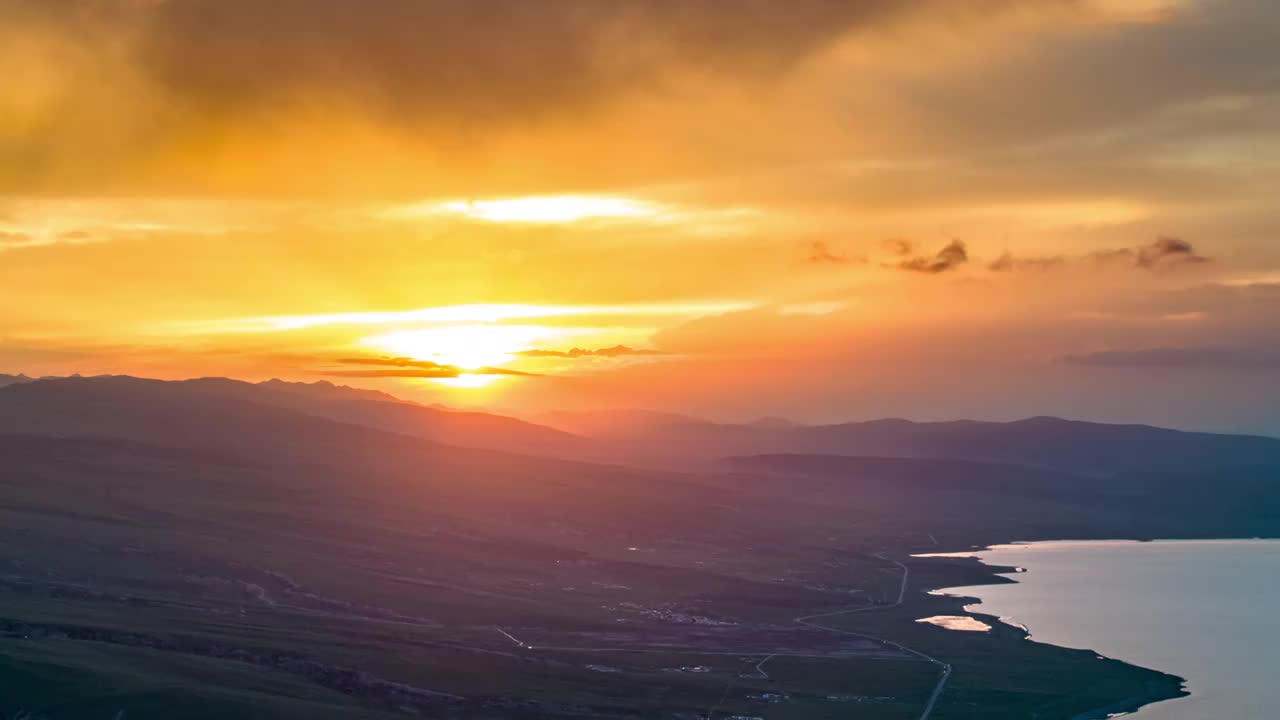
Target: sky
<point x="929" y="209"/>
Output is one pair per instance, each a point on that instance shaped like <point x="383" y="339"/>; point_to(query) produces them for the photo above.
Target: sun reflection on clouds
<point x="693" y="220"/>
<point x="465" y="346"/>
<point x="537" y="209"/>
<point x="1138" y="11"/>
<point x="446" y="314"/>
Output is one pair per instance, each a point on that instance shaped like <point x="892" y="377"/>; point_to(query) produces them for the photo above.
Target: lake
<point x="1207" y="611"/>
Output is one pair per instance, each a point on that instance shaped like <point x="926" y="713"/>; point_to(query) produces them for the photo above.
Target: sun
<point x="469" y="381"/>
<point x="472" y="347"/>
<point x="469" y="347"/>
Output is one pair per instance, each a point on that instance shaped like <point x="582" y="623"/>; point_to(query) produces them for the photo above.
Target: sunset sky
<point x="820" y="210"/>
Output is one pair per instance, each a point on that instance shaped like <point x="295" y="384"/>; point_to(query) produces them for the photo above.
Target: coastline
<point x="984" y="569"/>
<point x="1130" y="705"/>
<point x="1163" y="687"/>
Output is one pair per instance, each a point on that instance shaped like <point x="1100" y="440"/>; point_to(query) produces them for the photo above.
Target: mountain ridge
<point x="147" y="409"/>
<point x="99" y="404"/>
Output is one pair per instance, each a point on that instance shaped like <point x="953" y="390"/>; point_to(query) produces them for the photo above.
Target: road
<point x="806" y="620"/>
<point x="512" y="638"/>
<point x="902" y="593"/>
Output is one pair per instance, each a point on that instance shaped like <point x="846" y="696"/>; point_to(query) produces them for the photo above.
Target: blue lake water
<point x="1207" y="611"/>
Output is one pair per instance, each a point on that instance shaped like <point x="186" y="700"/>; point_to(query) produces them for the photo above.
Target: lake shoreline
<point x="1167" y="687"/>
<point x="1173" y="688"/>
<point x="1132" y="705"/>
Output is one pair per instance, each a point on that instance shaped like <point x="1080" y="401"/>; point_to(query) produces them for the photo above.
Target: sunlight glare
<point x="467" y="381"/>
<point x="469" y="347"/>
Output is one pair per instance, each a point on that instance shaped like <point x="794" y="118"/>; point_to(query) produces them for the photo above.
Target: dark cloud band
<point x="574" y="353"/>
<point x="409" y="367"/>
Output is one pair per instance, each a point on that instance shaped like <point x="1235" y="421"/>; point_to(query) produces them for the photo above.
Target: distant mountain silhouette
<point x="616" y="423"/>
<point x="324" y="388"/>
<point x="182" y="412"/>
<point x="985" y="501"/>
<point x="214" y="411"/>
<point x="1039" y="441"/>
<point x="773" y="422"/>
<point x="13" y="379"/>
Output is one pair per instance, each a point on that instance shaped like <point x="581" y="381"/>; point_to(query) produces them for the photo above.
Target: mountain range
<point x="188" y="412"/>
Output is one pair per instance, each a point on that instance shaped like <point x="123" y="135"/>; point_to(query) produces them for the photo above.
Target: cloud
<point x="198" y="63"/>
<point x="252" y="92"/>
<point x="1164" y="253"/>
<point x="484" y="58"/>
<point x="1209" y="358"/>
<point x="953" y="255"/>
<point x="388" y="367"/>
<point x="12" y="240"/>
<point x="1167" y="251"/>
<point x="395" y="373"/>
<point x="610" y="352"/>
<point x="898" y="246"/>
<point x="1009" y="263"/>
<point x="209" y="95"/>
<point x="821" y="252"/>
